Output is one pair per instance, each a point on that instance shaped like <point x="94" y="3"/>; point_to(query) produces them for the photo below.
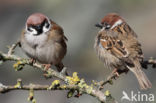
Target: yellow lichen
<point x="34" y="101"/>
<point x="88" y="88"/>
<point x="81" y="83"/>
<point x="107" y="93"/>
<point x="64" y="86"/>
<point x="19" y="84"/>
<point x="74" y="79"/>
<point x="54" y="84"/>
<point x="18" y="65"/>
<point x="70" y="93"/>
<point x="31" y="96"/>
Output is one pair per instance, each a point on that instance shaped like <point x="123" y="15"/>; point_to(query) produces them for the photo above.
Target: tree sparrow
<point x="117" y="46"/>
<point x="43" y="40"/>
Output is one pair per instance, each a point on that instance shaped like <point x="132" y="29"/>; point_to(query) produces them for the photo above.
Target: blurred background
<point x="77" y="17"/>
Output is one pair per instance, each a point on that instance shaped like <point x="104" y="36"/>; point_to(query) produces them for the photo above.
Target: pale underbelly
<point x="45" y="55"/>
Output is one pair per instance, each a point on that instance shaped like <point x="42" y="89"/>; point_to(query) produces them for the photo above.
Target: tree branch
<point x="151" y="61"/>
<point x="4" y="88"/>
<point x="70" y="82"/>
<point x="11" y="49"/>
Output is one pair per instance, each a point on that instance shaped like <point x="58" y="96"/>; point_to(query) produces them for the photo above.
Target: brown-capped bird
<point x="117" y="46"/>
<point x="43" y="40"/>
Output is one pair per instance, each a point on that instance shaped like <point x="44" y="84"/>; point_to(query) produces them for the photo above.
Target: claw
<point x="115" y="74"/>
<point x="32" y="61"/>
<point x="46" y="66"/>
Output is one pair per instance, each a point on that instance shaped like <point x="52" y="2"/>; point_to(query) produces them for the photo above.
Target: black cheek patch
<point x="40" y="31"/>
<point x="47" y="26"/>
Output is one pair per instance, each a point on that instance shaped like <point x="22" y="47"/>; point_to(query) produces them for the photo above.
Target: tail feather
<point x="141" y="76"/>
<point x="143" y="80"/>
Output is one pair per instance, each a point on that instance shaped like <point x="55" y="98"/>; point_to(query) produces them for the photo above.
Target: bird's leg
<point x="114" y="74"/>
<point x="46" y="66"/>
<point x="32" y="61"/>
<point x="78" y="94"/>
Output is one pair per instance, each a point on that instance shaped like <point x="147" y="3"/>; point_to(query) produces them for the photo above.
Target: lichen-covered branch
<point x="150" y="61"/>
<point x="11" y="49"/>
<point x="72" y="83"/>
<point x="6" y="88"/>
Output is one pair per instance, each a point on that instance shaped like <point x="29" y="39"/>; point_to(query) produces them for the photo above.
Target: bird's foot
<point x="78" y="95"/>
<point x="114" y="75"/>
<point x="46" y="66"/>
<point x="32" y="61"/>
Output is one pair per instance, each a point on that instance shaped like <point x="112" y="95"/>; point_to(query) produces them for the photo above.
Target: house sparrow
<point x="43" y="40"/>
<point x="117" y="47"/>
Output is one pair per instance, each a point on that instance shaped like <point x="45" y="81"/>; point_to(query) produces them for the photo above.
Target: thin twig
<point x="150" y="61"/>
<point x="104" y="82"/>
<point x="11" y="49"/>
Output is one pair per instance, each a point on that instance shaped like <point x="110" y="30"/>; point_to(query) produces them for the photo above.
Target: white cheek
<point x="33" y="32"/>
<point x="45" y="29"/>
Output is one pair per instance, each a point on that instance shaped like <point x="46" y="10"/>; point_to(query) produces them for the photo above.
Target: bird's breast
<point x="36" y="41"/>
<point x="106" y="57"/>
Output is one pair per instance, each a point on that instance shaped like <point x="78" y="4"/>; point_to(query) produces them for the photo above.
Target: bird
<point x="117" y="46"/>
<point x="44" y="41"/>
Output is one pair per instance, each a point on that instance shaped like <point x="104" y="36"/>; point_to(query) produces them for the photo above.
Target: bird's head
<point x="37" y="24"/>
<point x="110" y="21"/>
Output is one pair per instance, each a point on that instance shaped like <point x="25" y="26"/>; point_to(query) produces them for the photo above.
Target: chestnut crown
<point x="110" y="21"/>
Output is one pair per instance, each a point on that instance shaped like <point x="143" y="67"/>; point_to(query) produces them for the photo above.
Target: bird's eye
<point x="29" y="29"/>
<point x="107" y="26"/>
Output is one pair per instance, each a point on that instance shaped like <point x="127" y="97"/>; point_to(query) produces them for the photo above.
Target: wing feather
<point x="121" y="45"/>
<point x="113" y="44"/>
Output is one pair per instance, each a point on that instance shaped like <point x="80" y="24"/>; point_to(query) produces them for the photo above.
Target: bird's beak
<point x="99" y="25"/>
<point x="39" y="29"/>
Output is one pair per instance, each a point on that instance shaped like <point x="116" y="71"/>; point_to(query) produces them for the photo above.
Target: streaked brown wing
<point x="113" y="44"/>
